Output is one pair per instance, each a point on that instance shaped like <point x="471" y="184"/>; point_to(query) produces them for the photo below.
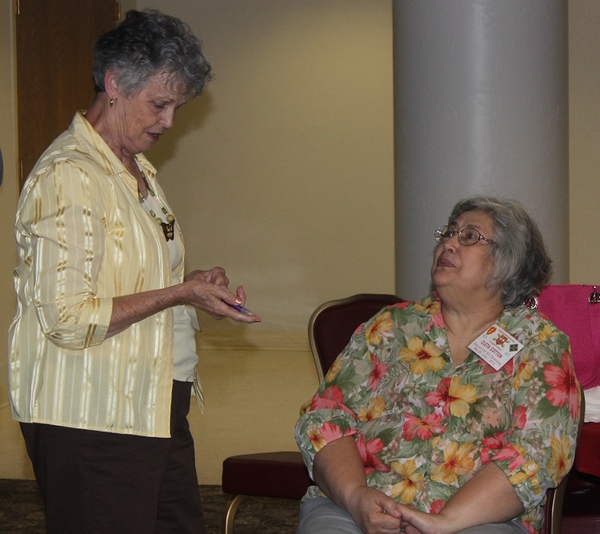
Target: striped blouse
<point x="83" y="238"/>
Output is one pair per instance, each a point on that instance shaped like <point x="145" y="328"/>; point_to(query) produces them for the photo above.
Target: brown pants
<point x="103" y="483"/>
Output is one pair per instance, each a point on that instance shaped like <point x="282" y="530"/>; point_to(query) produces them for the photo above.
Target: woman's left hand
<point x="416" y="522"/>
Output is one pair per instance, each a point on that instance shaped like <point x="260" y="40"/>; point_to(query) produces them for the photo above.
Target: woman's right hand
<point x="339" y="472"/>
<point x="208" y="291"/>
<point x="373" y="511"/>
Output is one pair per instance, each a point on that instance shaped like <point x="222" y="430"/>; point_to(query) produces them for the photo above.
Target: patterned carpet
<point x="22" y="511"/>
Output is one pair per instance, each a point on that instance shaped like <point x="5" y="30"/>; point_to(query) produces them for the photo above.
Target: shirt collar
<point x="100" y="151"/>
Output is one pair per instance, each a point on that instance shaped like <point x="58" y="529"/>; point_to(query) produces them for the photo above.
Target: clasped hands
<point x="376" y="513"/>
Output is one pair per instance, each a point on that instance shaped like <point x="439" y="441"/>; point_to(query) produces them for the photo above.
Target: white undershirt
<point x="186" y="359"/>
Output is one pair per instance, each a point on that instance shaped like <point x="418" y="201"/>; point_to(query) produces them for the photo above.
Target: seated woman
<point x="454" y="413"/>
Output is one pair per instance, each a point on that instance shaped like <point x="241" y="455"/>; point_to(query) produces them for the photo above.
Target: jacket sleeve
<point x="61" y="232"/>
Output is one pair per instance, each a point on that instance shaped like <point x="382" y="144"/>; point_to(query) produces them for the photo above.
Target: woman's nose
<point x="451" y="243"/>
<point x="168" y="117"/>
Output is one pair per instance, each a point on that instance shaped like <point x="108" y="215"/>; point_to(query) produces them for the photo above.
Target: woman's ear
<point x="110" y="84"/>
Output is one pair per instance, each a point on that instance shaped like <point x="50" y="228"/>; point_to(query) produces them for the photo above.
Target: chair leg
<point x="230" y="511"/>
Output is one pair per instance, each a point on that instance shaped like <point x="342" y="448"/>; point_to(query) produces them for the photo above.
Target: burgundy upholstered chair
<point x="283" y="474"/>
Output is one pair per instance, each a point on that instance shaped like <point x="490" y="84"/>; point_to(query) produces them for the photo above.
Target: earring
<point x="111" y="102"/>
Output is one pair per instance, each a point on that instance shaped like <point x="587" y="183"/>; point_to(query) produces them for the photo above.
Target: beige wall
<point x="277" y="170"/>
<point x="283" y="173"/>
<point x="584" y="140"/>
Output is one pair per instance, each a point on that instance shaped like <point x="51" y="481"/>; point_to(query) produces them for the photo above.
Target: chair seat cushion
<point x="587" y="457"/>
<point x="280" y="475"/>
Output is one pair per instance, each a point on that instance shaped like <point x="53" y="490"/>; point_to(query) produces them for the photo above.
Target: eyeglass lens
<point x="467" y="237"/>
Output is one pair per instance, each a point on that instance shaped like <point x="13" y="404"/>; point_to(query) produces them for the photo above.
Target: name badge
<point x="496" y="346"/>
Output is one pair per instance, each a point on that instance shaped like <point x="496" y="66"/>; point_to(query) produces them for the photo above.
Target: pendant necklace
<point x="168" y="227"/>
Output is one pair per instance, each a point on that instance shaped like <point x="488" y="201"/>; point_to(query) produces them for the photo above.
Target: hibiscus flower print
<point x="374" y="410"/>
<point x="422" y="428"/>
<point x="501" y="450"/>
<point x="378" y="371"/>
<point x="381" y="326"/>
<point x="316" y="438"/>
<point x="559" y="463"/>
<point x="520" y="417"/>
<point x="494" y="443"/>
<point x="565" y="387"/>
<point x="326" y="433"/>
<point x="368" y="452"/>
<point x="422" y="358"/>
<point x="428" y="305"/>
<point x="546" y="333"/>
<point x="333" y="370"/>
<point x="507" y="368"/>
<point x="332" y="397"/>
<point x="453" y="397"/>
<point x="528" y="471"/>
<point x="457" y="461"/>
<point x="436" y="506"/>
<point x="526" y="521"/>
<point x="411" y="484"/>
<point x="524" y="372"/>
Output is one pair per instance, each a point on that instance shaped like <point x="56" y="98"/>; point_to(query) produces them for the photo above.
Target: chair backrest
<point x="332" y="324"/>
<point x="555" y="496"/>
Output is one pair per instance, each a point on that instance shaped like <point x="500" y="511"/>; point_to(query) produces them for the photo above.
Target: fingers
<point x="378" y="513"/>
<point x="241" y="295"/>
<point x="217" y="276"/>
<point x="218" y="301"/>
<point x="239" y="313"/>
<point x="210" y="293"/>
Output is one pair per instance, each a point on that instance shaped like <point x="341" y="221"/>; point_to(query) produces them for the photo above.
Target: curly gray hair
<point x="148" y="43"/>
<point x="522" y="265"/>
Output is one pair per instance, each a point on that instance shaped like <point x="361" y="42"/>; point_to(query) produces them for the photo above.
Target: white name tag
<point x="496" y="346"/>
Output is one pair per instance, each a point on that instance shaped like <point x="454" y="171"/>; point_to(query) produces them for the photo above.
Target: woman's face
<point x="466" y="269"/>
<point x="144" y="116"/>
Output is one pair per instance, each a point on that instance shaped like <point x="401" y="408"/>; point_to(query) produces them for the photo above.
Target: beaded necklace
<point x="168" y="227"/>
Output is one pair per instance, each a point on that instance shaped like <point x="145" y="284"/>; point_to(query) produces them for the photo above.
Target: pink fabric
<point x="568" y="308"/>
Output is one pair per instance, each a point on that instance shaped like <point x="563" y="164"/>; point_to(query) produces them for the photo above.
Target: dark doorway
<point x="55" y="39"/>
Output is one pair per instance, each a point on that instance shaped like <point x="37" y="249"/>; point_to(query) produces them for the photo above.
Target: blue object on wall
<point x="1" y="167"/>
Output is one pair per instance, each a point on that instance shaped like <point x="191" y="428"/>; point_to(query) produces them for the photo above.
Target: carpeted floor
<point x="22" y="511"/>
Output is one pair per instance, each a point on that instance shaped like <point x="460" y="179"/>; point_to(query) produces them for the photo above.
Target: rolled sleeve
<point x="67" y="236"/>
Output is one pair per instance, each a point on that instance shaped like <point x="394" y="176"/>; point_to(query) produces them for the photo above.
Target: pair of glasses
<point x="466" y="237"/>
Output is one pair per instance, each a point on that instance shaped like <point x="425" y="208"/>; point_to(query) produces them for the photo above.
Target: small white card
<point x="496" y="346"/>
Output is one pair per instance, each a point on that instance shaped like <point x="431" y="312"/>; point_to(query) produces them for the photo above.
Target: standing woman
<point x="102" y="350"/>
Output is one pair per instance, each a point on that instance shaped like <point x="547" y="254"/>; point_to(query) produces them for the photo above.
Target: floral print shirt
<point x="424" y="426"/>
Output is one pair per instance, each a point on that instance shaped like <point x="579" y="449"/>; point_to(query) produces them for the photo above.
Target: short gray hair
<point x="522" y="266"/>
<point x="148" y="43"/>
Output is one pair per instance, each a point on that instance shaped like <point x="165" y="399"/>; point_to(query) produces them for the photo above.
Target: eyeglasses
<point x="466" y="237"/>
